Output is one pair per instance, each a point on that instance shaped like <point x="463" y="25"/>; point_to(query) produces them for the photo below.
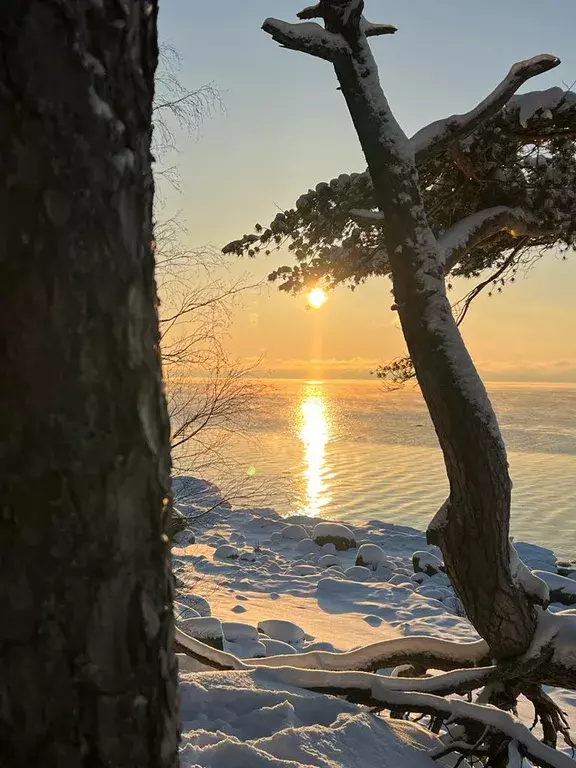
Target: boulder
<point x="279" y="629"/>
<point x="207" y="630"/>
<point x="226" y="552"/>
<point x="334" y="533"/>
<point x="294" y="532"/>
<point x="371" y="556"/>
<point x="427" y="563"/>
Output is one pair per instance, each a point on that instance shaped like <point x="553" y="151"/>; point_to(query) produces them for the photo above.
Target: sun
<point x="316" y="298"/>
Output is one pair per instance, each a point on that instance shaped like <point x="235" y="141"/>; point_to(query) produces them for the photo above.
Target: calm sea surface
<point x="350" y="450"/>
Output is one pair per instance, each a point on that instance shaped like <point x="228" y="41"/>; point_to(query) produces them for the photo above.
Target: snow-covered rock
<point x="278" y="629"/>
<point x="277" y="647"/>
<point x="561" y="589"/>
<point x="208" y="630"/>
<point x="226" y="552"/>
<point x="334" y="533"/>
<point x="427" y="562"/>
<point x="306" y="545"/>
<point x="235" y="631"/>
<point x="303" y="570"/>
<point x="328" y="548"/>
<point x="327" y="560"/>
<point x="371" y="556"/>
<point x="400" y="580"/>
<point x="319" y="646"/>
<point x="246" y="649"/>
<point x="294" y="532"/>
<point x="359" y="573"/>
<point x="199" y="604"/>
<point x="183" y="611"/>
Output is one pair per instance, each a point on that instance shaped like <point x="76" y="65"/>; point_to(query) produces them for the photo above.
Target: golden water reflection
<point x="315" y="434"/>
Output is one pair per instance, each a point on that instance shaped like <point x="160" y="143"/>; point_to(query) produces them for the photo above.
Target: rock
<point x="434" y="594"/>
<point x="327" y="560"/>
<point x="278" y="629"/>
<point x="371" y="556"/>
<point x="235" y="631"/>
<point x="226" y="552"/>
<point x="303" y="570"/>
<point x="274" y="568"/>
<point x="277" y="647"/>
<point x="199" y="604"/>
<point x="182" y="612"/>
<point x="246" y="649"/>
<point x="334" y="533"/>
<point x="183" y="538"/>
<point x="427" y="562"/>
<point x="276" y="538"/>
<point x="401" y="581"/>
<point x="359" y="573"/>
<point x="420" y="578"/>
<point x="562" y="589"/>
<point x="373" y="621"/>
<point x="306" y="545"/>
<point x="207" y="630"/>
<point x="294" y="532"/>
<point x="239" y="609"/>
<point x="319" y="646"/>
<point x="328" y="548"/>
<point x="248" y="557"/>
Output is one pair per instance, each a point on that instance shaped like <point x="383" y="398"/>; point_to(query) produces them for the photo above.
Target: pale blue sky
<point x="286" y="128"/>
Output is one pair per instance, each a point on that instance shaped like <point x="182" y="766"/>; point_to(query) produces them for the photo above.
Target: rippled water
<point x="354" y="451"/>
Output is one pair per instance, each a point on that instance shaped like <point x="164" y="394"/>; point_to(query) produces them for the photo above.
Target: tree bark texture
<point x="87" y="669"/>
<point x="472" y="528"/>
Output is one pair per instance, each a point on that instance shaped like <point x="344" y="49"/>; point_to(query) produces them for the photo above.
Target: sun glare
<point x="316" y="298"/>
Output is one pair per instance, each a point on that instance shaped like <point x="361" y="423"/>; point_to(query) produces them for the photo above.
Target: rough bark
<point x="472" y="528"/>
<point x="87" y="670"/>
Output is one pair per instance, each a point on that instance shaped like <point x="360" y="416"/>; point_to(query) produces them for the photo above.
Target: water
<point x="353" y="451"/>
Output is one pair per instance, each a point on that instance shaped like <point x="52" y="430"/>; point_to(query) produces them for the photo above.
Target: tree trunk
<point x="87" y="670"/>
<point x="472" y="527"/>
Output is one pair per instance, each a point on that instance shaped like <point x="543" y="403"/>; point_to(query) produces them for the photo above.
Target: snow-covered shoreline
<point x="271" y="589"/>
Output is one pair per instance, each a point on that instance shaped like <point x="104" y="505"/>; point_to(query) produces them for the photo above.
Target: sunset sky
<point x="286" y="128"/>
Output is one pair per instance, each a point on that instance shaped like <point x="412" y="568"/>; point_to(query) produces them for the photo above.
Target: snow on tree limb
<point x="361" y="214"/>
<point x="469" y="232"/>
<point x="307" y="37"/>
<point x="428" y="652"/>
<point x="372" y="29"/>
<point x="434" y="138"/>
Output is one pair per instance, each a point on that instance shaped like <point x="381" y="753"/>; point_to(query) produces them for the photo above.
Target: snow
<point x="250" y="720"/>
<point x="226" y="552"/>
<point x="371" y="556"/>
<point x="286" y="631"/>
<point x="301" y="615"/>
<point x="532" y="584"/>
<point x="561" y="589"/>
<point x="100" y="107"/>
<point x="296" y="532"/>
<point x="334" y="533"/>
<point x="540" y="103"/>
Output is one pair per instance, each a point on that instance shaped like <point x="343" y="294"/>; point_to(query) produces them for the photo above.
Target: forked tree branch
<point x="437" y="136"/>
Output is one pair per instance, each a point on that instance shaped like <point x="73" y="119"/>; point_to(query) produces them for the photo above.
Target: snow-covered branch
<point x="434" y="138"/>
<point x="372" y="29"/>
<point x="307" y="37"/>
<point x="424" y="652"/>
<point x="469" y="232"/>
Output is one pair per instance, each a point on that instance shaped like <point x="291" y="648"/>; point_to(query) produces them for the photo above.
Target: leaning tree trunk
<point x="472" y="527"/>
<point x="87" y="670"/>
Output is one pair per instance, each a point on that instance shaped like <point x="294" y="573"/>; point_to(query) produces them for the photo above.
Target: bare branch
<point x="437" y="136"/>
<point x="307" y="37"/>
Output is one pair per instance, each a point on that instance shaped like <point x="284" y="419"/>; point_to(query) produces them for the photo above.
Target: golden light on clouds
<point x="316" y="298"/>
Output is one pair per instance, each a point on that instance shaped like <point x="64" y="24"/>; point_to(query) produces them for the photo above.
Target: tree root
<point x="502" y="736"/>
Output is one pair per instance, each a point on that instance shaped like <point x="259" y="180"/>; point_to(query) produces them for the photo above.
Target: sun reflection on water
<point x="315" y="433"/>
